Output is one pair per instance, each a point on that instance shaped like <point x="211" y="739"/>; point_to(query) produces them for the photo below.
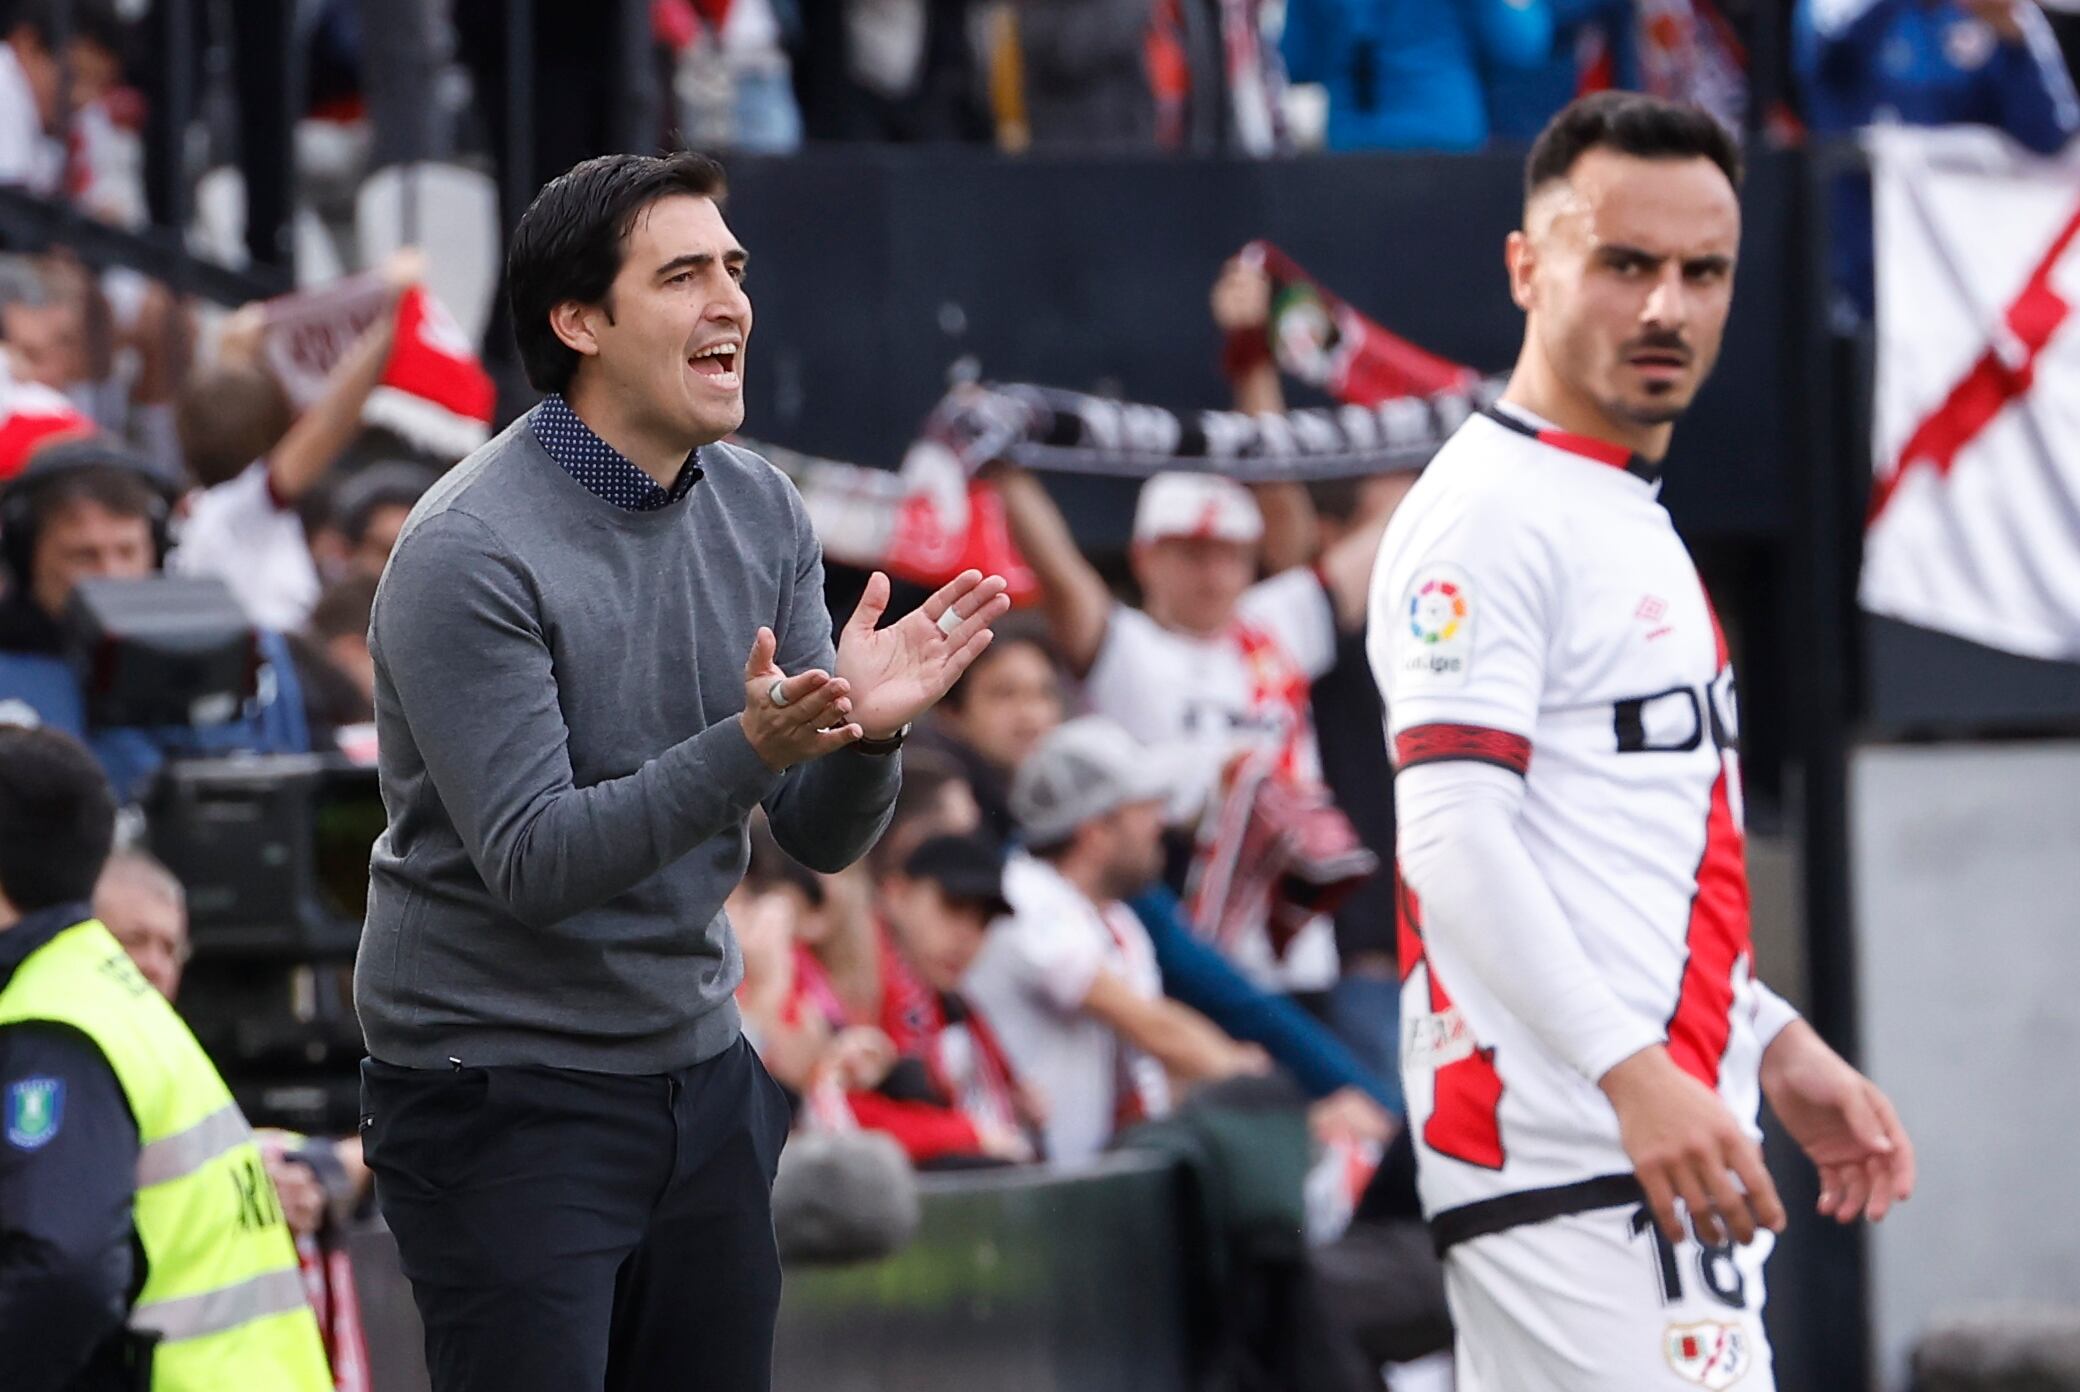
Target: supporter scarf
<point x="1322" y="341"/>
<point x="434" y="391"/>
<point x="1068" y="432"/>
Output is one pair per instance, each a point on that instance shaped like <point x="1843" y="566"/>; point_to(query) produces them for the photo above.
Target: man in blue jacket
<point x="1925" y="63"/>
<point x="1406" y="74"/>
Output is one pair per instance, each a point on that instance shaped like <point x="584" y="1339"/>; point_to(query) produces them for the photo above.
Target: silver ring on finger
<point x="950" y="620"/>
<point x="777" y="692"/>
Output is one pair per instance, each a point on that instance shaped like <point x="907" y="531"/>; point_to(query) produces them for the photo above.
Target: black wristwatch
<point x="881" y="748"/>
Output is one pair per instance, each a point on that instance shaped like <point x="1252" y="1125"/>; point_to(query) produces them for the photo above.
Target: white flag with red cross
<point x="1974" y="519"/>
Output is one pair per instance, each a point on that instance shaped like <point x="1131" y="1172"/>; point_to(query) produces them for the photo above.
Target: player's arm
<point x="1072" y="593"/>
<point x="1176" y="1036"/>
<point x="1458" y="645"/>
<point x="65" y="1195"/>
<point x="1845" y="1125"/>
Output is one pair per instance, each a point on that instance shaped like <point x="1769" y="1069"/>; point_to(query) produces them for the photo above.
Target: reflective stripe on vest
<point x="184" y="1152"/>
<point x="213" y="1312"/>
<point x="220" y="1279"/>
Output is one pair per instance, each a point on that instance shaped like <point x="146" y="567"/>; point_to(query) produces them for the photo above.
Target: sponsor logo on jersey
<point x="35" y="1107"/>
<point x="1437" y="1039"/>
<point x="1710" y="1354"/>
<point x="1439" y="652"/>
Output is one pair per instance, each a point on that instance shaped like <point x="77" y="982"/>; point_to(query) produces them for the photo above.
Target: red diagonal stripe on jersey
<point x="1432" y="744"/>
<point x="1466" y="1094"/>
<point x="1717" y="938"/>
<point x="1991" y="384"/>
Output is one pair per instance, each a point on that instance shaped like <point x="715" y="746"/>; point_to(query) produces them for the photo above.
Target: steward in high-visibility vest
<point x="211" y="1298"/>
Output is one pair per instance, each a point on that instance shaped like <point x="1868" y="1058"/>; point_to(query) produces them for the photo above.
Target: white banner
<point x="1974" y="525"/>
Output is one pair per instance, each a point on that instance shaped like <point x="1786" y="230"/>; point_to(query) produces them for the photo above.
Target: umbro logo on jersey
<point x="1652" y="609"/>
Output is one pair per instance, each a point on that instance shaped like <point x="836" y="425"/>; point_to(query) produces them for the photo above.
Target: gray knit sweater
<point x="559" y="684"/>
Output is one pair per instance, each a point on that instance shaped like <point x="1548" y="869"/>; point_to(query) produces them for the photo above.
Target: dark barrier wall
<point x="1015" y="1282"/>
<point x="875" y="269"/>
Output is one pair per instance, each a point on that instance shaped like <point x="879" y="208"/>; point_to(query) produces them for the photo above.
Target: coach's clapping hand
<point x="1685" y="1144"/>
<point x="898" y="672"/>
<point x="791" y="720"/>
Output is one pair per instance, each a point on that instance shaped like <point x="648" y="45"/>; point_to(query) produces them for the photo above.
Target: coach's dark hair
<point x="1631" y="123"/>
<point x="569" y="243"/>
<point x="57" y="818"/>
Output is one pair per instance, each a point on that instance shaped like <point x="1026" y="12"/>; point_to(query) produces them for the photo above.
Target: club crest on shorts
<point x="35" y="1106"/>
<point x="1709" y="1354"/>
<point x="1437" y="649"/>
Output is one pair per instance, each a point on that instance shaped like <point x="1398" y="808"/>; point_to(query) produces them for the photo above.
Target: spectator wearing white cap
<point x="1069" y="980"/>
<point x="1216" y="659"/>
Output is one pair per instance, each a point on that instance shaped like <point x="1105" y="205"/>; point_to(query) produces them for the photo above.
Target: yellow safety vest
<point x="222" y="1291"/>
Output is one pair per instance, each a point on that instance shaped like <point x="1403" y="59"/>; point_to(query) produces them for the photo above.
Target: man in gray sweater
<point x="600" y="642"/>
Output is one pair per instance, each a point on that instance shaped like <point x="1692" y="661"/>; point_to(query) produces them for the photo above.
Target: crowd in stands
<point x="1067" y="933"/>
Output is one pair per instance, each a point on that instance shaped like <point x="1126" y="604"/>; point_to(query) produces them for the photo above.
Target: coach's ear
<point x="1521" y="259"/>
<point x="573" y="324"/>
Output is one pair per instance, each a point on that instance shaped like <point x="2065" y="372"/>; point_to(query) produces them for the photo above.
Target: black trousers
<point x="572" y="1232"/>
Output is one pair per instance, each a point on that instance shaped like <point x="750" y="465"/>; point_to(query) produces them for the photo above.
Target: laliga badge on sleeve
<point x="35" y="1107"/>
<point x="1436" y="644"/>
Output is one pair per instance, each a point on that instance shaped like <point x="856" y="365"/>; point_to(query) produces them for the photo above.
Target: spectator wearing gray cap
<point x="1069" y="979"/>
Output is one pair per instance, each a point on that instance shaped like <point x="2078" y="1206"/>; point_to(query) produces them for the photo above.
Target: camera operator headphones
<point x="54" y="462"/>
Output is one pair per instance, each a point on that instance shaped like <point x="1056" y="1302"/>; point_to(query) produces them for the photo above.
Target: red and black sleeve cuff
<point x="1437" y="744"/>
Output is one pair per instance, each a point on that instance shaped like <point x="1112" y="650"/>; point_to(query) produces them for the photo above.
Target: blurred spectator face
<point x="46" y="343"/>
<point x="379" y="538"/>
<point x="85" y="539"/>
<point x="1008" y="701"/>
<point x="1194" y="583"/>
<point x="1133" y="839"/>
<point x="679" y="293"/>
<point x="1625" y="273"/>
<point x="96" y="71"/>
<point x="942" y="936"/>
<point x="148" y="919"/>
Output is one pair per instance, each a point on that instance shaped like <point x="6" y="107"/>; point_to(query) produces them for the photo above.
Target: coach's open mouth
<point x="717" y="363"/>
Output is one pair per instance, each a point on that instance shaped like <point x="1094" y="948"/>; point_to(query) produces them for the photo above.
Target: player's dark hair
<point x="570" y="241"/>
<point x="1632" y="123"/>
<point x="57" y="818"/>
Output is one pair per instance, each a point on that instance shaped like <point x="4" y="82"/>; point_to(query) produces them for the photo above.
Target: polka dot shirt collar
<point x="602" y="469"/>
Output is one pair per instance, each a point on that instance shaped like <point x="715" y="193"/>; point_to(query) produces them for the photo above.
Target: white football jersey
<point x="1534" y="609"/>
<point x="1203" y="699"/>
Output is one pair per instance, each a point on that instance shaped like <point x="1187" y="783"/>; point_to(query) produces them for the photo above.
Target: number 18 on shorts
<point x="1602" y="1302"/>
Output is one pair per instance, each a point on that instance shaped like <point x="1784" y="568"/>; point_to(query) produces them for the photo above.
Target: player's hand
<point x="1842" y="1122"/>
<point x="1241" y="297"/>
<point x="897" y="673"/>
<point x="1684" y="1144"/>
<point x="813" y="719"/>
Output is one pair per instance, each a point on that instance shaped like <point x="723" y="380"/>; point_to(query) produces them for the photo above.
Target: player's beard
<point x="1648" y="413"/>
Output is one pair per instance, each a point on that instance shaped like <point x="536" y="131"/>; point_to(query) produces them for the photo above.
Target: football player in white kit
<point x="1586" y="1044"/>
